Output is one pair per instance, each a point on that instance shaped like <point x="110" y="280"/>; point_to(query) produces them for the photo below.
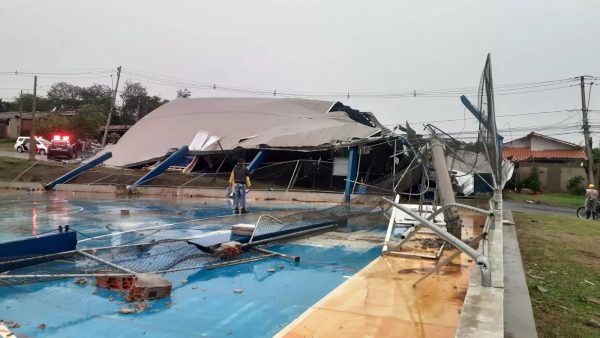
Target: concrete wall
<point x="14" y="128"/>
<point x="520" y="143"/>
<point x="259" y="195"/>
<point x="21" y="185"/>
<point x="554" y="177"/>
<point x="538" y="143"/>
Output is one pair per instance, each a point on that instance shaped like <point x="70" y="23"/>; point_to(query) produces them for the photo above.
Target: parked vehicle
<point x="41" y="147"/>
<point x="61" y="148"/>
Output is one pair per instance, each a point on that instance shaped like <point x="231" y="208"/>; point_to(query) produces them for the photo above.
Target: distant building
<point x="556" y="160"/>
<point x="15" y="124"/>
<point x="10" y="125"/>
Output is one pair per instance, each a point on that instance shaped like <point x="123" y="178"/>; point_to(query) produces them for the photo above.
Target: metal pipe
<point x="100" y="179"/>
<point x="446" y="261"/>
<point x="72" y="275"/>
<point x="300" y="233"/>
<point x="81" y="252"/>
<point x="408" y="168"/>
<point x="112" y="234"/>
<point x="390" y="228"/>
<point x="481" y="260"/>
<point x="411" y="255"/>
<point x="212" y="266"/>
<point x="358" y="171"/>
<point x="294" y="258"/>
<point x="24" y="171"/>
<point x="293" y="175"/>
<point x="258" y="223"/>
<point x="462" y="206"/>
<point x="192" y="180"/>
<point x="487" y="224"/>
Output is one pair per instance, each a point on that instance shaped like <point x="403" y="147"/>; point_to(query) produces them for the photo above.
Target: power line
<point x="506" y="115"/>
<point x="509" y="89"/>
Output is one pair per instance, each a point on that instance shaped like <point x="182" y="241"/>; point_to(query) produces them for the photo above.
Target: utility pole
<point x="32" y="140"/>
<point x="110" y="111"/>
<point x="20" y="125"/>
<point x="586" y="134"/>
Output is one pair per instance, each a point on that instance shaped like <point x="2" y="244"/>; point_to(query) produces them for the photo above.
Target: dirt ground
<point x="22" y="170"/>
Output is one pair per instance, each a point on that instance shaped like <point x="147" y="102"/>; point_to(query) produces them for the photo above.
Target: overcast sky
<point x="325" y="46"/>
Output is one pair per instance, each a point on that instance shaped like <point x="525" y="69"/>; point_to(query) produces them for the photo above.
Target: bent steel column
<point x="79" y="170"/>
<point x="444" y="187"/>
<point x="480" y="259"/>
<point x="174" y="157"/>
<point x="352" y="172"/>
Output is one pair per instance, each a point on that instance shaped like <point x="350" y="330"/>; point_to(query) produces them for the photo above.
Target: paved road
<point x="22" y="155"/>
<point x="15" y="154"/>
<point x="539" y="208"/>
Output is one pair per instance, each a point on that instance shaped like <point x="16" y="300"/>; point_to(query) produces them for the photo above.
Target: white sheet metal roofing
<point x="212" y="124"/>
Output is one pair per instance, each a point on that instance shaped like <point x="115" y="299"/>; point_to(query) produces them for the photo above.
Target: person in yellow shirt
<point x="239" y="181"/>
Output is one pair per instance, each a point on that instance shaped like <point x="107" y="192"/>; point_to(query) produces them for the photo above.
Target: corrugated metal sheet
<point x="238" y="122"/>
<point x="525" y="153"/>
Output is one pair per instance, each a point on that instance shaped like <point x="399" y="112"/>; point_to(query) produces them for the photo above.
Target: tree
<point x="42" y="103"/>
<point x="133" y="95"/>
<point x="137" y="103"/>
<point x="64" y="95"/>
<point x="152" y="103"/>
<point x="53" y="124"/>
<point x="183" y="93"/>
<point x="97" y="94"/>
<point x="596" y="155"/>
<point x="88" y="124"/>
<point x="5" y="106"/>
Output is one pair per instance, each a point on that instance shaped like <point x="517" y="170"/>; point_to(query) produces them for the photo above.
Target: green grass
<point x="7" y="144"/>
<point x="556" y="199"/>
<point x="562" y="255"/>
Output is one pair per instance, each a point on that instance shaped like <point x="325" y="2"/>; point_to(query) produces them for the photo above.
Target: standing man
<point x="240" y="181"/>
<point x="591" y="196"/>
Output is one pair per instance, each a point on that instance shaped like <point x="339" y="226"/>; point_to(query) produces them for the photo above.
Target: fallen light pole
<point x="480" y="259"/>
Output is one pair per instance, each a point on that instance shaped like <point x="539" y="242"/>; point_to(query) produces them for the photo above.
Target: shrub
<point x="533" y="181"/>
<point x="575" y="185"/>
<point x="113" y="137"/>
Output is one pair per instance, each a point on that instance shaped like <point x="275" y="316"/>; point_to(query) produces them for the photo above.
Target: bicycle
<point x="581" y="212"/>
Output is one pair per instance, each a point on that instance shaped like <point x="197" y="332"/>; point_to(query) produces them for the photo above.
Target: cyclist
<point x="591" y="196"/>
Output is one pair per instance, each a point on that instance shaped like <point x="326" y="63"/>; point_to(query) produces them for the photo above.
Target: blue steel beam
<point x="79" y="170"/>
<point x="257" y="160"/>
<point x="164" y="165"/>
<point x="352" y="171"/>
<point x="472" y="108"/>
<point x="477" y="114"/>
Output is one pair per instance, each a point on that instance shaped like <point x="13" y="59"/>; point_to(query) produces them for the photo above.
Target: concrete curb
<point x="482" y="313"/>
<point x="22" y="185"/>
<point x="518" y="313"/>
<point x="259" y="195"/>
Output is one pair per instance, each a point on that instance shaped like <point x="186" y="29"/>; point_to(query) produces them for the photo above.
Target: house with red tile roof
<point x="556" y="160"/>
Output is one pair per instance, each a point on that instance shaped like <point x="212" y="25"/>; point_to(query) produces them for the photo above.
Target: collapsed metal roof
<point x="221" y="124"/>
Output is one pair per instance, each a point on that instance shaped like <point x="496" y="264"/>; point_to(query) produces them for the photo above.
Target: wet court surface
<point x="381" y="301"/>
<point x="274" y="291"/>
